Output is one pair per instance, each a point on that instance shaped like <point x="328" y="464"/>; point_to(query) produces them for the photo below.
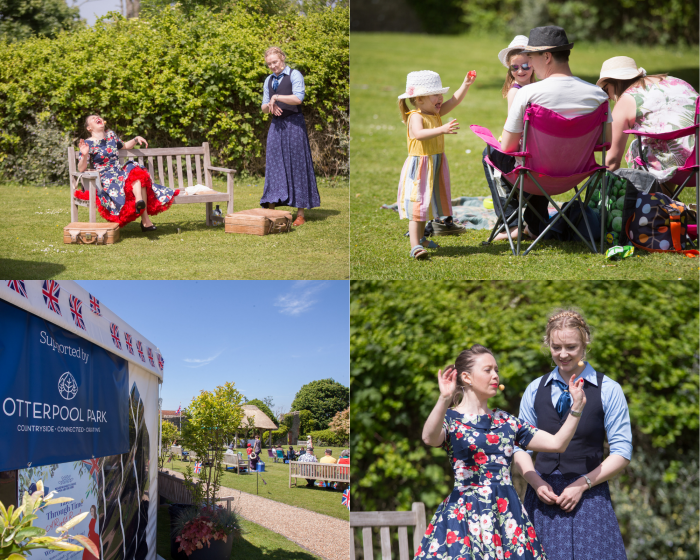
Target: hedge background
<point x="177" y="81"/>
<point x="645" y="336"/>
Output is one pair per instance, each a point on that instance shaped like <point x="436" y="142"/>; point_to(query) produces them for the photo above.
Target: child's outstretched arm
<point x="416" y="130"/>
<point x="458" y="96"/>
<point x="433" y="433"/>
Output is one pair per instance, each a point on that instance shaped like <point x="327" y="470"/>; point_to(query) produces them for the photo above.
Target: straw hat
<point x="423" y="82"/>
<point x="517" y="44"/>
<point x="548" y="38"/>
<point x="620" y="68"/>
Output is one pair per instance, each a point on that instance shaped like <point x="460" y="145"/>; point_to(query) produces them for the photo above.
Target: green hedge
<point x="645" y="336"/>
<point x="328" y="437"/>
<point x="180" y="82"/>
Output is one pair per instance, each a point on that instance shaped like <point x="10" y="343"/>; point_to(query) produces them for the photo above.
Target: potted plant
<point x="19" y="537"/>
<point x="205" y="530"/>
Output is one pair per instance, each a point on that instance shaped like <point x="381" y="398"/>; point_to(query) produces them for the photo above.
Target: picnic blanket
<point x="468" y="211"/>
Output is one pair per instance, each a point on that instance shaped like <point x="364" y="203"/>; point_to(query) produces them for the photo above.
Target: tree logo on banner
<point x="67" y="387"/>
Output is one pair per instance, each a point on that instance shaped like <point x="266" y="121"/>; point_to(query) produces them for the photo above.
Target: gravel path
<point x="321" y="534"/>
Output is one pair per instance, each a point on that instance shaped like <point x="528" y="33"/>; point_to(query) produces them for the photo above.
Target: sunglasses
<point x="516" y="67"/>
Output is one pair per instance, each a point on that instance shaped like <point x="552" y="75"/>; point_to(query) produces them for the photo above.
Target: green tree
<point x="324" y="399"/>
<point x="168" y="435"/>
<point x="265" y="408"/>
<point x="21" y="19"/>
<point x="212" y="420"/>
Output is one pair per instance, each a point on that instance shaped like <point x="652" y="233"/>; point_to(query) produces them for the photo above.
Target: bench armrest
<point x="222" y="169"/>
<point x="86" y="174"/>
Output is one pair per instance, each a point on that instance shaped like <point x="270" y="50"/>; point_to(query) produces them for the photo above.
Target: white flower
<point x="499" y="553"/>
<point x="484" y="491"/>
<point x="474" y="529"/>
<point x="506" y="477"/>
<point x="486" y="538"/>
<point x="508" y="450"/>
<point x="470" y="439"/>
<point x="470" y="418"/>
<point x="486" y="522"/>
<point x="520" y="550"/>
<point x="511" y="525"/>
<point x="463" y="510"/>
<point x="655" y="100"/>
<point x="475" y="434"/>
<point x="501" y="460"/>
<point x="521" y="537"/>
<point x="434" y="546"/>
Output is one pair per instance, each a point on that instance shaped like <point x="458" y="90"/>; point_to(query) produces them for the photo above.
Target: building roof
<point x="260" y="419"/>
<point x="170" y="413"/>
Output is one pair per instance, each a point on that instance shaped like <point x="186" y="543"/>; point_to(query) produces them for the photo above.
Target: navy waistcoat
<point x="284" y="87"/>
<point x="585" y="451"/>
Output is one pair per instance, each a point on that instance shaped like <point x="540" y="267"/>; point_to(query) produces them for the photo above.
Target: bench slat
<point x="169" y="164"/>
<point x="162" y="151"/>
<point x="150" y="168"/>
<point x="161" y="175"/>
<point x="222" y="169"/>
<point x="180" y="181"/>
<point x="352" y="547"/>
<point x="383" y="519"/>
<point x="188" y="161"/>
<point x="141" y="161"/>
<point x="367" y="543"/>
<point x="198" y="167"/>
<point x="386" y="543"/>
<point x="403" y="543"/>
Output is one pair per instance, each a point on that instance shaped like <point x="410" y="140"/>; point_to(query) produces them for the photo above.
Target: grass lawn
<point x="378" y="249"/>
<point x="320" y="500"/>
<point x="257" y="542"/>
<point x="31" y="241"/>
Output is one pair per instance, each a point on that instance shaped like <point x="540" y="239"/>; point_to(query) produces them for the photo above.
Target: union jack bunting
<point x="129" y="342"/>
<point x="139" y="347"/>
<point x="346" y="498"/>
<point x="94" y="305"/>
<point x="76" y="310"/>
<point x="197" y="468"/>
<point x="51" y="290"/>
<point x="94" y="466"/>
<point x="161" y="362"/>
<point x="18" y="286"/>
<point x="150" y="357"/>
<point x="114" y="329"/>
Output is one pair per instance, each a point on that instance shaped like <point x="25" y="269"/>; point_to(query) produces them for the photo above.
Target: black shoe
<point x="140" y="206"/>
<point x="149" y="228"/>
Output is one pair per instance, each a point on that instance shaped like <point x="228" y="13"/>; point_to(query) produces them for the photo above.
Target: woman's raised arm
<point x="433" y="433"/>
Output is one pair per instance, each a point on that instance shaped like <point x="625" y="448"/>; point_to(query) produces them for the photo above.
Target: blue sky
<point x="89" y="11"/>
<point x="269" y="337"/>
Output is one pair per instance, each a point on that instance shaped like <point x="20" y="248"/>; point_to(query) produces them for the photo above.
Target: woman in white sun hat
<point x="656" y="103"/>
<point x="424" y="187"/>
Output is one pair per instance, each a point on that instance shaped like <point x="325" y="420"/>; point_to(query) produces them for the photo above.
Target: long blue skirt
<point x="589" y="532"/>
<point x="289" y="171"/>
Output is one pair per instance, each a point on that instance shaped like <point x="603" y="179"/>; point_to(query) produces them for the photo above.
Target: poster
<point x="77" y="480"/>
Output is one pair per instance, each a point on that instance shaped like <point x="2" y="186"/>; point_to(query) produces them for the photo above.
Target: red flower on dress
<point x="459" y="435"/>
<point x="469" y="507"/>
<point x="497" y="540"/>
<point x="418" y="551"/>
<point x="466" y="541"/>
<point x="507" y="554"/>
<point x="492" y="438"/>
<point x="531" y="533"/>
<point x="460" y="517"/>
<point x="515" y="541"/>
<point x="429" y="529"/>
<point x="472" y="447"/>
<point x="502" y="505"/>
<point x="109" y="150"/>
<point x="480" y="457"/>
<point x="451" y="537"/>
<point x="489" y="475"/>
<point x="474" y="468"/>
<point x="518" y="531"/>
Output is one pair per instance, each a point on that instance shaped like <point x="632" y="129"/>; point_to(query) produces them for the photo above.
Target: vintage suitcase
<point x="258" y="221"/>
<point x="87" y="233"/>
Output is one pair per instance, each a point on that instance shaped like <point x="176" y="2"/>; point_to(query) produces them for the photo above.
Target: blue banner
<point x="62" y="398"/>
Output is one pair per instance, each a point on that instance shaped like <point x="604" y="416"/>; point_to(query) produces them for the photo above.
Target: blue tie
<point x="275" y="81"/>
<point x="565" y="400"/>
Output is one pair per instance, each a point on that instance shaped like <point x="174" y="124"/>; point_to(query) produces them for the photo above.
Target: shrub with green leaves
<point x="328" y="437"/>
<point x="180" y="81"/>
<point x="644" y="336"/>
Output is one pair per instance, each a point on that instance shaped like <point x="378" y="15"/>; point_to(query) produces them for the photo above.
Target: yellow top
<point x="426" y="147"/>
<point x="328" y="459"/>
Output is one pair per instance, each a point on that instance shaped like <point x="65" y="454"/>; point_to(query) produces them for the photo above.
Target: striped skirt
<point x="424" y="188"/>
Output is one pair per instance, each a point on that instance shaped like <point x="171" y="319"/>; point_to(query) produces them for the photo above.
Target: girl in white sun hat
<point x="424" y="187"/>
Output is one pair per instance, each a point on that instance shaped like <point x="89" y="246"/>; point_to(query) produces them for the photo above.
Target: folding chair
<point x="558" y="153"/>
<point x="688" y="175"/>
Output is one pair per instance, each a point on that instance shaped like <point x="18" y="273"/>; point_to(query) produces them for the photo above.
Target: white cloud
<point x="197" y="363"/>
<point x="300" y="298"/>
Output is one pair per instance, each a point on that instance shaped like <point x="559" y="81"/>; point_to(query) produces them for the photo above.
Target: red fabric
<point x="553" y="124"/>
<point x="128" y="212"/>
<point x="95" y="538"/>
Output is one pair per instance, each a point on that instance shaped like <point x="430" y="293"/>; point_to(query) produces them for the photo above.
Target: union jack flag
<point x="18" y="286"/>
<point x="129" y="342"/>
<point x="139" y="347"/>
<point x="346" y="498"/>
<point x="150" y="357"/>
<point x="114" y="329"/>
<point x="179" y="408"/>
<point x="94" y="466"/>
<point x="161" y="362"/>
<point x="76" y="310"/>
<point x="51" y="291"/>
<point x="94" y="305"/>
<point x="197" y="468"/>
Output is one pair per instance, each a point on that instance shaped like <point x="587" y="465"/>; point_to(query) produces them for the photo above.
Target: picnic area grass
<point x="33" y="218"/>
<point x="276" y="475"/>
<point x="378" y="248"/>
<point x="257" y="543"/>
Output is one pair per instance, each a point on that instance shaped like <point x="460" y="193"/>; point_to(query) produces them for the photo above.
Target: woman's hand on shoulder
<point x="577" y="393"/>
<point x="447" y="382"/>
<point x="83" y="147"/>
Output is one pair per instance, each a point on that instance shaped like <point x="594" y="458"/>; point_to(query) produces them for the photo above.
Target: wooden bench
<point x="169" y="165"/>
<point x="235" y="461"/>
<point x="385" y="519"/>
<point x="318" y="471"/>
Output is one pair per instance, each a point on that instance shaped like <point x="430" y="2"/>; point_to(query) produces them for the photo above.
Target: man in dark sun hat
<point x="557" y="89"/>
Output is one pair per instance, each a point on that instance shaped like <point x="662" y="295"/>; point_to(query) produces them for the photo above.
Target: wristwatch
<point x="588" y="481"/>
<point x="576" y="414"/>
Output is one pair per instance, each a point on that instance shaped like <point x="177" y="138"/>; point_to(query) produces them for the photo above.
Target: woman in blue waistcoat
<point x="289" y="170"/>
<point x="568" y="499"/>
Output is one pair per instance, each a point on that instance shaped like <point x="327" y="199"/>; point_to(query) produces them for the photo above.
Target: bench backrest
<point x="385" y="519"/>
<point x="176" y="168"/>
<point x="333" y="472"/>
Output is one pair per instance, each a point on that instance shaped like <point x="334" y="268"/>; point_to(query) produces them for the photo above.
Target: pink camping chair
<point x="688" y="175"/>
<point x="558" y="154"/>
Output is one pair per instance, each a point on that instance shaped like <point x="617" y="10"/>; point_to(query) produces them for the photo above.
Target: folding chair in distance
<point x="688" y="175"/>
<point x="558" y="153"/>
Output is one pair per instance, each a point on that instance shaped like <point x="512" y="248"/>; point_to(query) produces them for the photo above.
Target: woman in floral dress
<point x="124" y="188"/>
<point x="658" y="103"/>
<point x="483" y="518"/>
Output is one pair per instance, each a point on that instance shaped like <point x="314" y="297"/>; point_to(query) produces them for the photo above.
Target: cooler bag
<point x="94" y="234"/>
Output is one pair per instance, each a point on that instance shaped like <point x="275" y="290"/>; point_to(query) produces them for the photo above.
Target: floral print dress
<point x="663" y="107"/>
<point x="115" y="200"/>
<point x="483" y="517"/>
